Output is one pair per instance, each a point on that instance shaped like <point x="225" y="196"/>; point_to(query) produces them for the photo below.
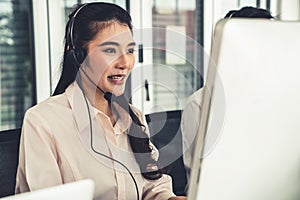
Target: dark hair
<point x="249" y="12"/>
<point x="88" y="21"/>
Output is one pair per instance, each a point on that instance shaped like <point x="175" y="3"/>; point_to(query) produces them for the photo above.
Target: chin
<point x="118" y="91"/>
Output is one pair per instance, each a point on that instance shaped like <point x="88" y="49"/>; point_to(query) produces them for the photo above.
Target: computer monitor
<point x="255" y="74"/>
<point x="79" y="190"/>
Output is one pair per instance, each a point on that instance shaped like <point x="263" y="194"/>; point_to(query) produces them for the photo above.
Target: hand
<point x="178" y="198"/>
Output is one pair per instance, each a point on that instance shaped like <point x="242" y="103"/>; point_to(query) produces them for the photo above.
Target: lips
<point x="117" y="79"/>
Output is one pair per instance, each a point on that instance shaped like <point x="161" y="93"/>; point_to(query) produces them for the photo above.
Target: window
<point x="17" y="68"/>
<point x="174" y="53"/>
<point x="171" y="68"/>
<point x="68" y="4"/>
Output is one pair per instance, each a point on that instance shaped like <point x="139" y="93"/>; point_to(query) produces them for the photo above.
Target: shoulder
<point x="192" y="108"/>
<point x="51" y="107"/>
<point x="51" y="104"/>
<point x="196" y="97"/>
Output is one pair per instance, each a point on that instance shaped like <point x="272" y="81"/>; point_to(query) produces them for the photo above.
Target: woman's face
<point x="110" y="58"/>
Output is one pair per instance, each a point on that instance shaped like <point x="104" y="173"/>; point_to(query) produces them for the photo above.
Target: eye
<point x="109" y="50"/>
<point x="131" y="51"/>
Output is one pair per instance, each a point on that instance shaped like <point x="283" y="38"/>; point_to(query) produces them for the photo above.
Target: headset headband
<point x="72" y="24"/>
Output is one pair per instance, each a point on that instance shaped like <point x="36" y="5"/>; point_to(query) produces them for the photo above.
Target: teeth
<point x="116" y="77"/>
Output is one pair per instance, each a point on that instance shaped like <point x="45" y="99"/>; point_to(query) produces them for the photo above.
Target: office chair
<point x="9" y="156"/>
<point x="165" y="134"/>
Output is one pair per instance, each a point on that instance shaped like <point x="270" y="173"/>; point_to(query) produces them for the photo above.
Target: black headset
<point x="77" y="52"/>
<point x="79" y="56"/>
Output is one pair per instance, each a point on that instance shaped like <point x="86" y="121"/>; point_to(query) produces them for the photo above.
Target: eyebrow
<point x="115" y="44"/>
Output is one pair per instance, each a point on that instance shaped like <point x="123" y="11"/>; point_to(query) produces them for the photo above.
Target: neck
<point x="96" y="97"/>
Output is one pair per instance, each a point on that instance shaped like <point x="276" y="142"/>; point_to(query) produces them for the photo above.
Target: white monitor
<point x="79" y="190"/>
<point x="255" y="95"/>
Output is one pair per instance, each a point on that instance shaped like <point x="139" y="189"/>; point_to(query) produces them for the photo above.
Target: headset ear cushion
<point x="78" y="55"/>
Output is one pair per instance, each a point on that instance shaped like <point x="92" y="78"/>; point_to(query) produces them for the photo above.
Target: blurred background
<point x="173" y="36"/>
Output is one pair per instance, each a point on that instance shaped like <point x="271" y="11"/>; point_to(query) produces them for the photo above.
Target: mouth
<point x="117" y="79"/>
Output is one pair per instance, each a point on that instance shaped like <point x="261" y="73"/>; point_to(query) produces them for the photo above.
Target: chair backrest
<point x="166" y="136"/>
<point x="9" y="156"/>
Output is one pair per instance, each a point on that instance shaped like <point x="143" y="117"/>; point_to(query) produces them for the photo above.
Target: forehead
<point x="114" y="32"/>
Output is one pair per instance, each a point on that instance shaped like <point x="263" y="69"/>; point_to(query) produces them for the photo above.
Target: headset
<point x="79" y="56"/>
<point x="77" y="52"/>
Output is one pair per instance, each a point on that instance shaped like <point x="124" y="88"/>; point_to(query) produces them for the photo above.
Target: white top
<point x="55" y="149"/>
<point x="189" y="126"/>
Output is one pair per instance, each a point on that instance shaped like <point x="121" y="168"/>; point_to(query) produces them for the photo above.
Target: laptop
<point x="79" y="190"/>
<point x="255" y="77"/>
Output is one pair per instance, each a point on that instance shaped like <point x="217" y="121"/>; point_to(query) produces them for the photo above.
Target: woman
<point x="88" y="129"/>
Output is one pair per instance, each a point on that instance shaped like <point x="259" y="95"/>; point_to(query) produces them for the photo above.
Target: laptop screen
<point x="80" y="190"/>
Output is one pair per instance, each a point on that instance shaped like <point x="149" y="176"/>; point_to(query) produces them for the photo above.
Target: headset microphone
<point x="108" y="95"/>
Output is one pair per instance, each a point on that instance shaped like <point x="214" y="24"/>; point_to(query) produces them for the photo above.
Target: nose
<point x="124" y="61"/>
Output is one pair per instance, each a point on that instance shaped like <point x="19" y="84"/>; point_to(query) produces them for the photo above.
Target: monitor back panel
<point x="255" y="98"/>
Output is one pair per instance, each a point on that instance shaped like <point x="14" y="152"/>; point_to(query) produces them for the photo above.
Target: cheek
<point x="97" y="65"/>
<point x="132" y="63"/>
<point x="99" y="71"/>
